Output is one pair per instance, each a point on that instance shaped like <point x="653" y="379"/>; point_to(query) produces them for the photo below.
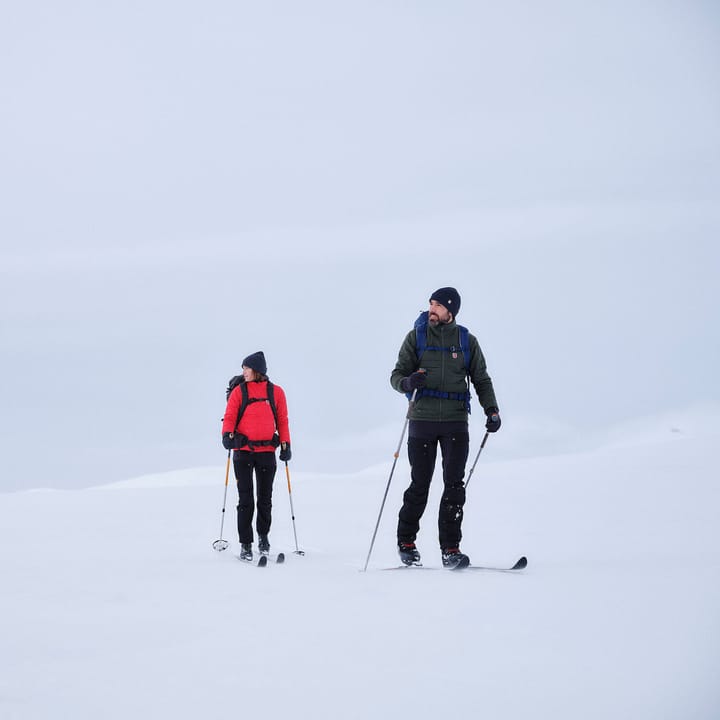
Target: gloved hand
<point x="285" y="452"/>
<point x="493" y="419"/>
<point x="413" y="382"/>
<point x="232" y="441"/>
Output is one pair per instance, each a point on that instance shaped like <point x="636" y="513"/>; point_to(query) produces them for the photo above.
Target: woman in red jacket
<point x="255" y="423"/>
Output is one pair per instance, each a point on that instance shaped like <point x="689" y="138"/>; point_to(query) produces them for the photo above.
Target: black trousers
<point x="264" y="466"/>
<point x="423" y="441"/>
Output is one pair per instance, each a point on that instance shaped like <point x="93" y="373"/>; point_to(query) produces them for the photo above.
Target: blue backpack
<point x="421" y="346"/>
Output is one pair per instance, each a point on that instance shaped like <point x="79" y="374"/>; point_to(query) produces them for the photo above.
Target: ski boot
<point x="453" y="559"/>
<point x="409" y="554"/>
<point x="246" y="552"/>
<point x="263" y="545"/>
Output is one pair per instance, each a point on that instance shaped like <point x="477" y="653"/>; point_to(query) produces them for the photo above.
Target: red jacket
<point x="258" y="422"/>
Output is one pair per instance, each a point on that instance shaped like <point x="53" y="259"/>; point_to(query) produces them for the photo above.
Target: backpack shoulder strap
<point x="246" y="401"/>
<point x="421" y="334"/>
<point x="465" y="346"/>
<point x="421" y="339"/>
<point x="271" y="400"/>
<point x="243" y="404"/>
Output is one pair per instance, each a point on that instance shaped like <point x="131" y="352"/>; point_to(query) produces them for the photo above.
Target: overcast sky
<point x="185" y="183"/>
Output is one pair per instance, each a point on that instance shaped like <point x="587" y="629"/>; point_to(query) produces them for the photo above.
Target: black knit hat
<point x="256" y="362"/>
<point x="449" y="298"/>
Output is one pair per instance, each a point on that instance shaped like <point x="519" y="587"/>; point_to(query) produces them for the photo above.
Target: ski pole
<point x="392" y="470"/>
<point x="221" y="544"/>
<point x="477" y="457"/>
<point x="292" y="510"/>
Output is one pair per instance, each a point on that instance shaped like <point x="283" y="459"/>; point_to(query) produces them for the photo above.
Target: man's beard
<point x="434" y="320"/>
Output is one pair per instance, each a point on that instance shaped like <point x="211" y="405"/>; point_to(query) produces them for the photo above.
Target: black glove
<point x="493" y="419"/>
<point x="413" y="382"/>
<point x="285" y="452"/>
<point x="233" y="442"/>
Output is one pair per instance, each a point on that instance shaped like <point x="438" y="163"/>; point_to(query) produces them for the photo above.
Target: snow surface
<point x="114" y="604"/>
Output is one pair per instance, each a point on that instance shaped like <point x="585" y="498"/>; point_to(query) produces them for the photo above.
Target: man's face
<point x="248" y="374"/>
<point x="438" y="314"/>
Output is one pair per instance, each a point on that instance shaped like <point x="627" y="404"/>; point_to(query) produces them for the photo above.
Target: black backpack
<point x="246" y="400"/>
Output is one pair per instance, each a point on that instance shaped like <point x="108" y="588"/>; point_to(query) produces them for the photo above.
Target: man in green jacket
<point x="450" y="359"/>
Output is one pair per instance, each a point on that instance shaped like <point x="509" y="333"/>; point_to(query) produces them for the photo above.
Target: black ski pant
<point x="423" y="441"/>
<point x="264" y="466"/>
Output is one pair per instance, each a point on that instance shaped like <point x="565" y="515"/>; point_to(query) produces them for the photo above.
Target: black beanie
<point x="448" y="297"/>
<point x="256" y="361"/>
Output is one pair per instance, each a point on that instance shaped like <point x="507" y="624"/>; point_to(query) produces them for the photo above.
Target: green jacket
<point x="445" y="373"/>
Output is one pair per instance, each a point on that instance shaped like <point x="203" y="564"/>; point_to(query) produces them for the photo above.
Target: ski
<point x="262" y="561"/>
<point x="521" y="564"/>
<point x="406" y="567"/>
<point x="424" y="567"/>
<point x="460" y="564"/>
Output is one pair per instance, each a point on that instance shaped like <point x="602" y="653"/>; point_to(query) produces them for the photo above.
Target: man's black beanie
<point x="256" y="361"/>
<point x="448" y="297"/>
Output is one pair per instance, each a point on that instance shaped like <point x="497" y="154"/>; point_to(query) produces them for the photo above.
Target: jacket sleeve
<point x="479" y="376"/>
<point x="231" y="410"/>
<point x="406" y="363"/>
<point x="282" y="415"/>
